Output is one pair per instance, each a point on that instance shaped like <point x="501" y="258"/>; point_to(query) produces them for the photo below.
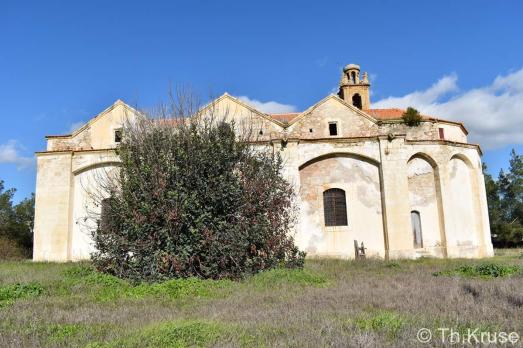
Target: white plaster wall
<point x="464" y="219"/>
<point x="360" y="181"/>
<point x="88" y="194"/>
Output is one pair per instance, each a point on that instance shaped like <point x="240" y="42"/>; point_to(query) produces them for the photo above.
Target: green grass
<point x="173" y="334"/>
<point x="330" y="302"/>
<point x="386" y="322"/>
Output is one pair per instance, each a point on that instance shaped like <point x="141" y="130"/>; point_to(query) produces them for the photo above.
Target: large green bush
<point x="194" y="198"/>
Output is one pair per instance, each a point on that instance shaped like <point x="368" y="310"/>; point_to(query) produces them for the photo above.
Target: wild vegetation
<point x="194" y="198"/>
<point x="505" y="203"/>
<point x="16" y="225"/>
<point x="368" y="303"/>
<point x="411" y="117"/>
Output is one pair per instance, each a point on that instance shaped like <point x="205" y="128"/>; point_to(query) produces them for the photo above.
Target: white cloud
<point x="75" y="126"/>
<point x="9" y="153"/>
<point x="492" y="114"/>
<point x="270" y="107"/>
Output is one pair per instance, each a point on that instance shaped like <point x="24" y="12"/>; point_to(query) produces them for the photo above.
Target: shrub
<point x="11" y="250"/>
<point x="10" y="293"/>
<point x="411" y="117"/>
<point x="484" y="270"/>
<point x="193" y="198"/>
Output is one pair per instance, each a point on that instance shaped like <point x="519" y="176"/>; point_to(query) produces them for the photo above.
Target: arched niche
<point x="359" y="178"/>
<point x="425" y="200"/>
<point x="90" y="186"/>
<point x="464" y="207"/>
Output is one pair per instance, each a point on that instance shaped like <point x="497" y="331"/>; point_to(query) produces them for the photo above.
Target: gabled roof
<point x="285" y="117"/>
<point x="245" y="105"/>
<point x="396" y="114"/>
<point x="97" y="117"/>
<point x="281" y="119"/>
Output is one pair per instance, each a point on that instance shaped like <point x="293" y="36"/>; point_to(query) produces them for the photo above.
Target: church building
<point x="362" y="175"/>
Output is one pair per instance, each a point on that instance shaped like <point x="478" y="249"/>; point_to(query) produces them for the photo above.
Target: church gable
<point x="101" y="132"/>
<point x="331" y="118"/>
<point x="247" y="119"/>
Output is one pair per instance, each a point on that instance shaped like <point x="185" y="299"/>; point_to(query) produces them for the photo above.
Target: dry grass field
<point x="329" y="303"/>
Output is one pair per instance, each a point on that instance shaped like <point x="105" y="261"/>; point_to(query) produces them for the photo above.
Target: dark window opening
<point x="310" y="130"/>
<point x="333" y="128"/>
<point x="335" y="207"/>
<point x="356" y="101"/>
<point x="260" y="132"/>
<point x="353" y="77"/>
<point x="416" y="229"/>
<point x="441" y="133"/>
<point x="118" y="136"/>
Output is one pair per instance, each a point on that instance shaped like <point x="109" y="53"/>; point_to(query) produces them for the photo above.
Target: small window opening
<point x="353" y="74"/>
<point x="416" y="229"/>
<point x="441" y="133"/>
<point x="310" y="130"/>
<point x="333" y="128"/>
<point x="260" y="132"/>
<point x="356" y="101"/>
<point x="118" y="136"/>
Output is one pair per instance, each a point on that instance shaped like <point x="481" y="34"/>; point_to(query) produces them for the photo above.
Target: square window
<point x="333" y="128"/>
<point x="118" y="136"/>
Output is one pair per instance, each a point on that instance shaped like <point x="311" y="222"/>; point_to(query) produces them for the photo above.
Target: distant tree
<point x="16" y="221"/>
<point x="505" y="201"/>
<point x="411" y="117"/>
<point x="194" y="198"/>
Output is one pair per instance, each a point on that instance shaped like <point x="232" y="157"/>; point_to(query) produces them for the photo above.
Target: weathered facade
<point x="360" y="173"/>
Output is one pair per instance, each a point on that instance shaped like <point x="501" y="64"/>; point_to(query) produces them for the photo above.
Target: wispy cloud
<point x="10" y="153"/>
<point x="270" y="107"/>
<point x="493" y="114"/>
<point x="75" y="126"/>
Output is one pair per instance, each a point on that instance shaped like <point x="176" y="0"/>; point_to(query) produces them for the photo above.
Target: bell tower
<point x="353" y="89"/>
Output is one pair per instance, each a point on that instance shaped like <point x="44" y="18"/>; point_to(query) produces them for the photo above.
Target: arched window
<point x="356" y="100"/>
<point x="335" y="207"/>
<point x="353" y="75"/>
<point x="416" y="229"/>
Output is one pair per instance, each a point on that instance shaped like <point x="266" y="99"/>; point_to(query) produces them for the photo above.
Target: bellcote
<point x="354" y="89"/>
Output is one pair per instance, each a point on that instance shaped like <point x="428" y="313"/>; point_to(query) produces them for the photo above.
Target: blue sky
<point x="61" y="62"/>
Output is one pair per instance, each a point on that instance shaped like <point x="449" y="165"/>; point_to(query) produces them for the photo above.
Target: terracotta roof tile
<point x="286" y="117"/>
<point x="385" y="114"/>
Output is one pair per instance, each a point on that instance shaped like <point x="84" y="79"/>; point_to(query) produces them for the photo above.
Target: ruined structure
<point x="361" y="175"/>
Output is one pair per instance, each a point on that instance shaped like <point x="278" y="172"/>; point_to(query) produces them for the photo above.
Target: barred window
<point x="335" y="207"/>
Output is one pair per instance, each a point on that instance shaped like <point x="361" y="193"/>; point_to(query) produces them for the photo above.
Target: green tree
<point x="16" y="221"/>
<point x="411" y="117"/>
<point x="505" y="200"/>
